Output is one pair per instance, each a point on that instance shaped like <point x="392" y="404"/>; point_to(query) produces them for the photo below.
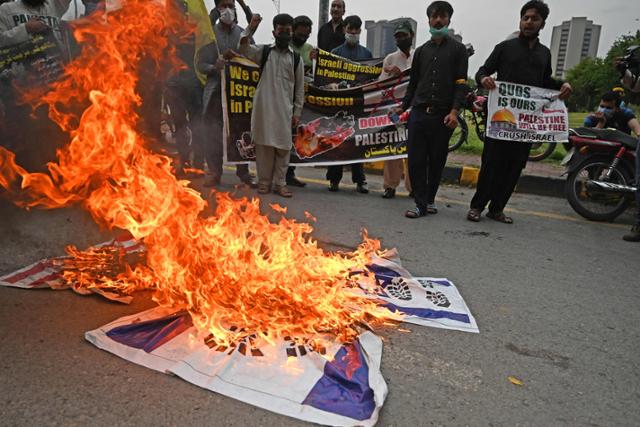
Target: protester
<point x="350" y="49"/>
<point x="277" y="104"/>
<point x="211" y="63"/>
<point x="216" y="13"/>
<point x="436" y="93"/>
<point x="331" y="34"/>
<point x="522" y="60"/>
<point x="184" y="97"/>
<point x="18" y="19"/>
<point x="92" y="6"/>
<point x="302" y="26"/>
<point x="393" y="66"/>
<point x="611" y="114"/>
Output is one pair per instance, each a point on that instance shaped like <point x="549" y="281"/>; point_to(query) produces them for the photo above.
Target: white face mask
<point x="352" y="39"/>
<point x="228" y="16"/>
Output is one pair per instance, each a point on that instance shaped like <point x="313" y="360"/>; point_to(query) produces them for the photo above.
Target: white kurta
<point x="279" y="96"/>
<point x="397" y="58"/>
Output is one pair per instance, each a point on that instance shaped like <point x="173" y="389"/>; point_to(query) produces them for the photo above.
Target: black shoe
<point x="389" y="193"/>
<point x="634" y="235"/>
<point x="295" y="182"/>
<point x="334" y="186"/>
<point x="362" y="188"/>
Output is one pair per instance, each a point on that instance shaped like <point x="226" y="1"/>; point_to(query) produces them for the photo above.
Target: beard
<point x="34" y="3"/>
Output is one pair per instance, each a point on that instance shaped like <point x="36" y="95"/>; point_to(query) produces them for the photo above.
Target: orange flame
<point x="232" y="271"/>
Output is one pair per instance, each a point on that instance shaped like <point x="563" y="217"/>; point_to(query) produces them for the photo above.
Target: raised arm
<point x="245" y="47"/>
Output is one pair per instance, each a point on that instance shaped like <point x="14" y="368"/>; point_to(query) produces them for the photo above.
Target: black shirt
<point x="328" y="39"/>
<point x="438" y="76"/>
<point x="516" y="62"/>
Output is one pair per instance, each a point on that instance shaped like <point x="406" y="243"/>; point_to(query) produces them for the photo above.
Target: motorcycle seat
<point x="609" y="134"/>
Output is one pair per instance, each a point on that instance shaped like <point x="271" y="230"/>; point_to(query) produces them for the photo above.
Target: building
<point x="571" y="42"/>
<point x="380" y="40"/>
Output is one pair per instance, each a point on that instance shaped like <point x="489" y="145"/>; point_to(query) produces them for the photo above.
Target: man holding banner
<point x="353" y="50"/>
<point x="436" y="93"/>
<point x="393" y="66"/>
<point x="525" y="61"/>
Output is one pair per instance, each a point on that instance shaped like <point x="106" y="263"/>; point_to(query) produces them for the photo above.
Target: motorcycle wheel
<point x="596" y="204"/>
<point x="459" y="135"/>
<point x="541" y="150"/>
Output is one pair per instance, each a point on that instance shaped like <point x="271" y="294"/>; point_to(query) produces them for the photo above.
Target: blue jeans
<point x="638" y="183"/>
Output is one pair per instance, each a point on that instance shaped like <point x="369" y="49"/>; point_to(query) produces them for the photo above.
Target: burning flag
<point x="232" y="269"/>
<point x="233" y="283"/>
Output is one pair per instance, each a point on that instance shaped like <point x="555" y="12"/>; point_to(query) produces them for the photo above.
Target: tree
<point x="594" y="76"/>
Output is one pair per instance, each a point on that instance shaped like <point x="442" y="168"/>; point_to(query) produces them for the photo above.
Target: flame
<point x="232" y="271"/>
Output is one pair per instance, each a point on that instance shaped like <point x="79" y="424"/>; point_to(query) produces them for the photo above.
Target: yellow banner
<point x="197" y="12"/>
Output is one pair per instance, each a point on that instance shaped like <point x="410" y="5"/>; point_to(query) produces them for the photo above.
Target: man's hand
<point x="230" y="54"/>
<point x="488" y="83"/>
<point x="565" y="91"/>
<point x="35" y="26"/>
<point x="256" y="19"/>
<point x="295" y="121"/>
<point x="451" y="120"/>
<point x="393" y="70"/>
<point x="313" y="55"/>
<point x="219" y="65"/>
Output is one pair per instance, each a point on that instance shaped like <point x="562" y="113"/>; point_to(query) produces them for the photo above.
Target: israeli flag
<point x="338" y="385"/>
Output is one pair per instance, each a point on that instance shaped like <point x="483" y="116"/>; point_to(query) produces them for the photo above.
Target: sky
<point x="483" y="23"/>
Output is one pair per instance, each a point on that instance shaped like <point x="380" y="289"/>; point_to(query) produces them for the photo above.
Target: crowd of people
<point x="434" y="97"/>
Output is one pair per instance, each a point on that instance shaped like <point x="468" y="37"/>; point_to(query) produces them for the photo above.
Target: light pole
<point x="323" y="16"/>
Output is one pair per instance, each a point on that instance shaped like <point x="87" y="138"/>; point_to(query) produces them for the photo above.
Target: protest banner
<point x="33" y="63"/>
<point x="526" y="114"/>
<point x="331" y="68"/>
<point x="338" y="126"/>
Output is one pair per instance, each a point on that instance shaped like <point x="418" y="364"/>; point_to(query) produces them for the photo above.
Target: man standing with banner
<point x="523" y="60"/>
<point x="277" y="104"/>
<point x="353" y="50"/>
<point x="436" y="93"/>
<point x="211" y="63"/>
<point x="393" y="66"/>
<point x="331" y="34"/>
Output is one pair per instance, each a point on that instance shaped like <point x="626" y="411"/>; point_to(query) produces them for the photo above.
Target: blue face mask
<point x="608" y="112"/>
<point x="439" y="32"/>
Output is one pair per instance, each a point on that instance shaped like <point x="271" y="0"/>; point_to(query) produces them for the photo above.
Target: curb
<point x="467" y="176"/>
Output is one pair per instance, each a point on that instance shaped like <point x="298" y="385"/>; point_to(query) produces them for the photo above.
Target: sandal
<point x="432" y="209"/>
<point x="283" y="191"/>
<point x="500" y="217"/>
<point x="415" y="213"/>
<point x="263" y="189"/>
<point x="474" y="215"/>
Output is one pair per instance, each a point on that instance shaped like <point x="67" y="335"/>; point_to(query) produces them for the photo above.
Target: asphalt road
<point x="556" y="299"/>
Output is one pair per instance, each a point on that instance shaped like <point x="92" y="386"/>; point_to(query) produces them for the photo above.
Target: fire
<point x="232" y="271"/>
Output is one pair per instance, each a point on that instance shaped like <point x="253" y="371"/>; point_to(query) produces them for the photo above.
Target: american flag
<point x="47" y="272"/>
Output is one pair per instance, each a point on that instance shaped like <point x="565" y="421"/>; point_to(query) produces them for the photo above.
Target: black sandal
<point x="500" y="217"/>
<point x="415" y="213"/>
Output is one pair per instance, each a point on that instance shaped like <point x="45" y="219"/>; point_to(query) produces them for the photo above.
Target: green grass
<point x="474" y="145"/>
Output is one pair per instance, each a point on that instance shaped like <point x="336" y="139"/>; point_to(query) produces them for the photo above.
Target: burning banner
<point x="339" y="124"/>
<point x="230" y="278"/>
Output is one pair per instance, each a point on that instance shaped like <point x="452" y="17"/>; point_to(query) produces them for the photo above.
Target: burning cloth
<point x="316" y="380"/>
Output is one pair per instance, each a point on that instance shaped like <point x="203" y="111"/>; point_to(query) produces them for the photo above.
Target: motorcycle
<point x="600" y="170"/>
<point x="476" y="106"/>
